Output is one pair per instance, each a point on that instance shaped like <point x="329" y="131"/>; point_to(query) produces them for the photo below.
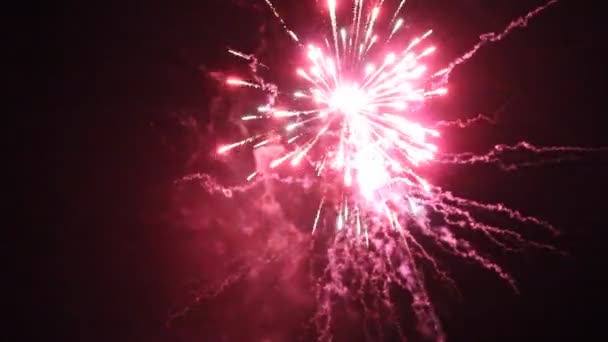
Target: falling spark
<point x="398" y="10"/>
<point x="396" y="28"/>
<point x="239" y="54"/>
<point x="251" y="117"/>
<point x="314" y="226"/>
<point x="238" y="82"/>
<point x="276" y="14"/>
<point x="251" y="176"/>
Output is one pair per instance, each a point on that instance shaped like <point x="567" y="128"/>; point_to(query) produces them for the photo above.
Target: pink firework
<point x="359" y="134"/>
<point x="358" y="127"/>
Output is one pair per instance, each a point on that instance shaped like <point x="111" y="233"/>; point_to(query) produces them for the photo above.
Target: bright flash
<point x="348" y="100"/>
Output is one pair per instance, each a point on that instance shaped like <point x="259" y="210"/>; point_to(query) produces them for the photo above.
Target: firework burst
<point x="353" y="121"/>
<point x="357" y="126"/>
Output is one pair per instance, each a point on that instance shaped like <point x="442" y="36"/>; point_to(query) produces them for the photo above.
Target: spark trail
<point x="359" y="137"/>
<point x="497" y="155"/>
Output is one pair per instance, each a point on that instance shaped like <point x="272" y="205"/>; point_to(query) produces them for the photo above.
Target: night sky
<point x="131" y="104"/>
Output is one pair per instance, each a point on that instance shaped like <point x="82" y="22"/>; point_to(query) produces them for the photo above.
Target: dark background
<point x="125" y="105"/>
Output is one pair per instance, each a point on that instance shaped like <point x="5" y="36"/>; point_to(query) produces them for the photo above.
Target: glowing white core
<point x="348" y="99"/>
